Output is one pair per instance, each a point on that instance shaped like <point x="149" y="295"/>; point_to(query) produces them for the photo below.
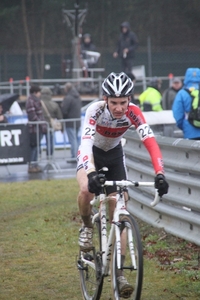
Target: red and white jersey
<point x="101" y="130"/>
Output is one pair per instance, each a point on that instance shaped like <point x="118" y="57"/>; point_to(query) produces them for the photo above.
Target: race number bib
<point x="144" y="131"/>
<point x="88" y="133"/>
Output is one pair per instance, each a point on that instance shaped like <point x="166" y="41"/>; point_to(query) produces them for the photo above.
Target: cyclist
<point x="104" y="125"/>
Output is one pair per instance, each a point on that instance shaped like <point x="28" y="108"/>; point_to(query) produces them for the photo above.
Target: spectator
<point x="71" y="109"/>
<point x="87" y="45"/>
<point x="52" y="109"/>
<point x="170" y="93"/>
<point x="57" y="89"/>
<point x="35" y="114"/>
<point x="182" y="104"/>
<point x="150" y="99"/>
<point x="126" y="46"/>
<point x="3" y="118"/>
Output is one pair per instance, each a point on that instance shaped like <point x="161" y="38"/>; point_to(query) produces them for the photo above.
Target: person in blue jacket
<point x="182" y="104"/>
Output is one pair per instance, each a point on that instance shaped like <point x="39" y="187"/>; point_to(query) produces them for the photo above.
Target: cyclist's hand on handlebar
<point x="161" y="184"/>
<point x="94" y="182"/>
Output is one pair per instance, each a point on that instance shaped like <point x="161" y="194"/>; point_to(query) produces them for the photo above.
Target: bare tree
<point x="38" y="38"/>
<point x="42" y="48"/>
<point x="27" y="37"/>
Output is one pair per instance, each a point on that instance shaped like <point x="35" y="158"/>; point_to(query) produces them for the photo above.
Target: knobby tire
<point x="91" y="280"/>
<point x="133" y="276"/>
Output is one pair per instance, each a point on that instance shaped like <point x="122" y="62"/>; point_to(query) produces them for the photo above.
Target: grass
<point x="39" y="225"/>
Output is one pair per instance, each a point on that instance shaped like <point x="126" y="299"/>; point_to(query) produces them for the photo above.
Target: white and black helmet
<point x="117" y="85"/>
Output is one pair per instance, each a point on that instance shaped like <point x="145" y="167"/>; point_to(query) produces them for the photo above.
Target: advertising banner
<point x="14" y="144"/>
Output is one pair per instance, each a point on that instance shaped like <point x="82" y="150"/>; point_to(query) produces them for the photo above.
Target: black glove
<point x="161" y="184"/>
<point x="94" y="184"/>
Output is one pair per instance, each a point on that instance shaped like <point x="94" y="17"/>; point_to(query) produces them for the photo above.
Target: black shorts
<point x="115" y="162"/>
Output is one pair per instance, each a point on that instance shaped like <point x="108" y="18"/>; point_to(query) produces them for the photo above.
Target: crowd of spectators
<point x="40" y="106"/>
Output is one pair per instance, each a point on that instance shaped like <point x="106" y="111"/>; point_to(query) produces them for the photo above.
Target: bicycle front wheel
<point x="127" y="281"/>
<point x="90" y="267"/>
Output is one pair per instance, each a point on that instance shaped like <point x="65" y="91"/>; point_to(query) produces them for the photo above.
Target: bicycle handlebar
<point x="156" y="199"/>
<point x="126" y="183"/>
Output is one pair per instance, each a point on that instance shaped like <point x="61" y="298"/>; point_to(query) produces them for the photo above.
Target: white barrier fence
<point x="179" y="211"/>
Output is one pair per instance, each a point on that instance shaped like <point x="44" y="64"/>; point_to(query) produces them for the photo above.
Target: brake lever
<point x="156" y="199"/>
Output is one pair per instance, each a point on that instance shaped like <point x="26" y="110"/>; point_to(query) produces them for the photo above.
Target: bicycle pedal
<point x="88" y="256"/>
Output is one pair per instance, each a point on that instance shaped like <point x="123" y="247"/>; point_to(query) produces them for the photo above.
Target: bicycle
<point x="108" y="255"/>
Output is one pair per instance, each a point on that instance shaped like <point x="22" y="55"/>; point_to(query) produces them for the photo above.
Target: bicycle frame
<point x="120" y="209"/>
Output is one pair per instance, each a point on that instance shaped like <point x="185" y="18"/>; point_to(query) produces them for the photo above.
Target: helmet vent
<point x="117" y="85"/>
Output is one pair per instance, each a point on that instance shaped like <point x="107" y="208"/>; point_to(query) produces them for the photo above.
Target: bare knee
<point x="84" y="196"/>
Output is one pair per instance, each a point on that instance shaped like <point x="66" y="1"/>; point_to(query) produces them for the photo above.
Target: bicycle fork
<point x="114" y="236"/>
<point x="107" y="241"/>
<point x="126" y="236"/>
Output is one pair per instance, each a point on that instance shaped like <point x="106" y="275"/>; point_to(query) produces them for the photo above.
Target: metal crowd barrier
<point x="14" y="142"/>
<point x="52" y="162"/>
<point x="179" y="211"/>
<point x="22" y="87"/>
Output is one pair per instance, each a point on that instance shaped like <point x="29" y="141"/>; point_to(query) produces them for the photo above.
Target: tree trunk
<point x="42" y="48"/>
<point x="35" y="45"/>
<point x="38" y="40"/>
<point x="27" y="37"/>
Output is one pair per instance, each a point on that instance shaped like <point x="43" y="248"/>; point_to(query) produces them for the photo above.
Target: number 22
<point x="144" y="131"/>
<point x="89" y="131"/>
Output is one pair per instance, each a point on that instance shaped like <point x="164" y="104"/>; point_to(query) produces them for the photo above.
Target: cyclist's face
<point x="117" y="106"/>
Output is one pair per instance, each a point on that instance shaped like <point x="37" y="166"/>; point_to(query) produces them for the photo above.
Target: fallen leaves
<point x="170" y="252"/>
